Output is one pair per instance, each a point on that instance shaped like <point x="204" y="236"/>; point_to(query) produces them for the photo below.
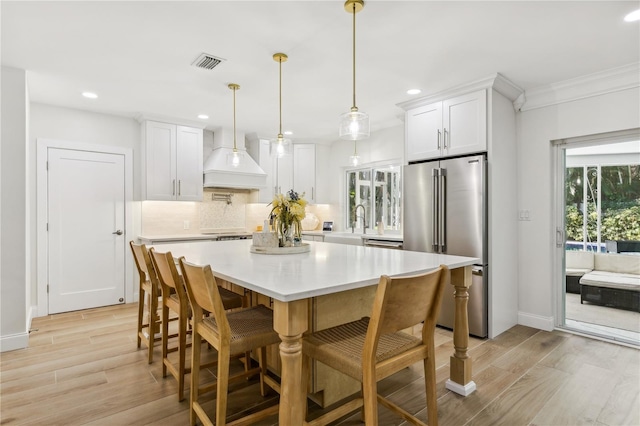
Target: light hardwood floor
<point x="84" y="368"/>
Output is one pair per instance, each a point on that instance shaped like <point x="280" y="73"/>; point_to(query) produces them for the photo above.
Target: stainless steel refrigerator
<point x="445" y="211"/>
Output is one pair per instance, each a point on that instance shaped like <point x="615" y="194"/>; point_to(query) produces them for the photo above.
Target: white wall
<point x="14" y="210"/>
<point x="609" y="112"/>
<point x="66" y="124"/>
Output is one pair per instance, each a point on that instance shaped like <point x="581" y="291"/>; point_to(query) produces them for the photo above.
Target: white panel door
<point x="86" y="222"/>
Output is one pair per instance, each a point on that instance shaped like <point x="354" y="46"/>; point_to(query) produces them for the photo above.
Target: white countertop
<point x="327" y="268"/>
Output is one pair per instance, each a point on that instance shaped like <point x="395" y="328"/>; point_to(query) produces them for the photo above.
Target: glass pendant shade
<point x="354" y="160"/>
<point x="354" y="125"/>
<point x="281" y="146"/>
<point x="234" y="159"/>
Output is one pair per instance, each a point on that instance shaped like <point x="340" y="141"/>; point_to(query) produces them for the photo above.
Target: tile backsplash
<point x="220" y="208"/>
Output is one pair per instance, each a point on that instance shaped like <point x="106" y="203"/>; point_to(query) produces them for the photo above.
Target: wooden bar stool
<point x="149" y="288"/>
<point x="372" y="349"/>
<point x="175" y="299"/>
<point x="229" y="333"/>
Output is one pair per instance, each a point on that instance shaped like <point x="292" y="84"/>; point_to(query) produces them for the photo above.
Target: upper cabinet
<point x="172" y="165"/>
<point x="447" y="128"/>
<point x="307" y="171"/>
<point x="279" y="170"/>
<point x="300" y="171"/>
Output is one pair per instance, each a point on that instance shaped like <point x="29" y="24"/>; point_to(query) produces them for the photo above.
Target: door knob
<point x="118" y="232"/>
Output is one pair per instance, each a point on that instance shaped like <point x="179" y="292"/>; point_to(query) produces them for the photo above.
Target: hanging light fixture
<point x="354" y="124"/>
<point x="355" y="158"/>
<point x="281" y="145"/>
<point x="235" y="157"/>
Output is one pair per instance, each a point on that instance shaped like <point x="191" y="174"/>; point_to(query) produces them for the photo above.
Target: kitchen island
<point x="293" y="280"/>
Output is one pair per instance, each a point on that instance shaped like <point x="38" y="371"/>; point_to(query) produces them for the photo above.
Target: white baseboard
<point x="536" y="321"/>
<point x="13" y="342"/>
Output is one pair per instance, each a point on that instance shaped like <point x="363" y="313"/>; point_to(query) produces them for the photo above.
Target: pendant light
<point x="355" y="158"/>
<point x="354" y="124"/>
<point x="281" y="145"/>
<point x="235" y="157"/>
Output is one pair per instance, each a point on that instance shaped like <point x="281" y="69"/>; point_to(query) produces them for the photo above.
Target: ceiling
<point x="137" y="55"/>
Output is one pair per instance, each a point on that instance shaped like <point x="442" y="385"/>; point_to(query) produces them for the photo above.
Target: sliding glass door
<point x="598" y="201"/>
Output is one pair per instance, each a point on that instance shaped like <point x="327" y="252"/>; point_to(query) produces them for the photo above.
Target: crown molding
<point x="600" y="83"/>
<point x="496" y="81"/>
<point x="140" y="118"/>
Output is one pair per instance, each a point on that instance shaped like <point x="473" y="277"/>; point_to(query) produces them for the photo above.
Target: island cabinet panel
<point x="328" y="385"/>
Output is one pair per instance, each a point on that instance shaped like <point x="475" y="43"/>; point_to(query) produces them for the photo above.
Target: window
<point x="602" y="203"/>
<point x="374" y="196"/>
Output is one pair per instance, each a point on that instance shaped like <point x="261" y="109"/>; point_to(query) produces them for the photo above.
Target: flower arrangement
<point x="288" y="211"/>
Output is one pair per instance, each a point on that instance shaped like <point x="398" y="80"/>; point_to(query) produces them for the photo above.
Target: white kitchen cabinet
<point x="447" y="128"/>
<point x="309" y="161"/>
<point x="304" y="170"/>
<point x="312" y="236"/>
<point x="172" y="166"/>
<point x="283" y="174"/>
<point x="279" y="170"/>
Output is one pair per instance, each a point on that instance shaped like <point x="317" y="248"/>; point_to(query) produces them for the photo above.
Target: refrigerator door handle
<point x="435" y="214"/>
<point x="443" y="210"/>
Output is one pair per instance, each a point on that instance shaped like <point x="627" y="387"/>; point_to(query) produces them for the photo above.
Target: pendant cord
<point x="355" y="108"/>
<point x="234" y="120"/>
<point x="280" y="94"/>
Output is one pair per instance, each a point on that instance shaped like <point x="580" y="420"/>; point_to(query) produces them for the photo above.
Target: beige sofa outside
<point x="613" y="281"/>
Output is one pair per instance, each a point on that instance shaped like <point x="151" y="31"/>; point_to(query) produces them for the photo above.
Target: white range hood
<point x="220" y="173"/>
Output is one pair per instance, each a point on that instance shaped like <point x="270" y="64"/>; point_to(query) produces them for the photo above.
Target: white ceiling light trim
<point x="89" y="95"/>
<point x="633" y="16"/>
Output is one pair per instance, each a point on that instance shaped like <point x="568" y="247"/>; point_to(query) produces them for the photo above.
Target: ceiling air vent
<point x="206" y="61"/>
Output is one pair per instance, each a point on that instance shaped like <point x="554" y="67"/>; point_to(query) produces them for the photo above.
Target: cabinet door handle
<point x="179" y="187"/>
<point x="444" y="139"/>
<point x="438" y="138"/>
<point x="174" y="188"/>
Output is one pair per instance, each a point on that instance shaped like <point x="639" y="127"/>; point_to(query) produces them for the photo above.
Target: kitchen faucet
<point x="355" y="218"/>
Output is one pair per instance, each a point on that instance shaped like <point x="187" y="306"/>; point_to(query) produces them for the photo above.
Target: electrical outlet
<point x="186" y="224"/>
<point x="524" y="215"/>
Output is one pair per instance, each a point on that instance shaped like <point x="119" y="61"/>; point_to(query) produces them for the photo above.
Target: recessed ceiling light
<point x="89" y="95"/>
<point x="633" y="16"/>
<point x="288" y="132"/>
<point x="413" y="91"/>
<point x="203" y="116"/>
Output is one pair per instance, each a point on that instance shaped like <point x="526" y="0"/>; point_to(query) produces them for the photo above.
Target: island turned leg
<point x="290" y="320"/>
<point x="460" y="363"/>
